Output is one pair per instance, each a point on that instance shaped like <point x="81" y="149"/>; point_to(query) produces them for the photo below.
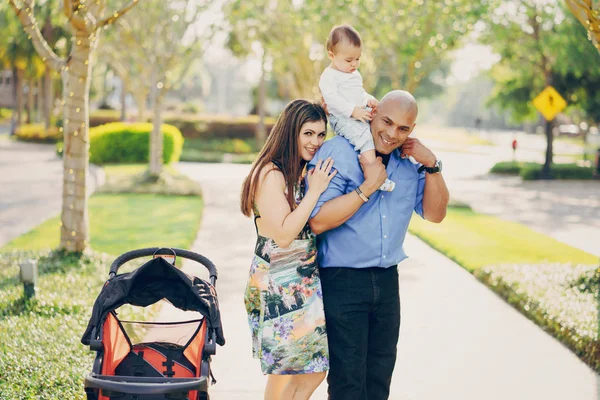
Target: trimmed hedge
<point x="196" y="126"/>
<point x="560" y="298"/>
<point x="533" y="171"/>
<point x="509" y="167"/>
<point x="193" y="155"/>
<point x="129" y="143"/>
<point x="37" y="133"/>
<point x="223" y="145"/>
<point x="102" y="117"/>
<point x="218" y="126"/>
<point x="557" y="171"/>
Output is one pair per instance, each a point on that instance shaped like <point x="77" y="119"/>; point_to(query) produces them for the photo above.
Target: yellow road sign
<point x="549" y="103"/>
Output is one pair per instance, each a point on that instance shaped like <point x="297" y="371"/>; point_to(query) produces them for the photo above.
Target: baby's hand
<point x="373" y="103"/>
<point x="362" y="114"/>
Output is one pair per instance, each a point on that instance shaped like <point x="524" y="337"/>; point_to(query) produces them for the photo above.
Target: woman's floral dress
<point x="285" y="305"/>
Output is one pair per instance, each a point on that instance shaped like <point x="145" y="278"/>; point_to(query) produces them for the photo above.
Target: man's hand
<point x="375" y="175"/>
<point x="414" y="147"/>
<point x="373" y="103"/>
<point x="361" y="114"/>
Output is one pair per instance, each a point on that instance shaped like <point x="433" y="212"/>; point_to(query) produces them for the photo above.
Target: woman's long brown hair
<point x="282" y="147"/>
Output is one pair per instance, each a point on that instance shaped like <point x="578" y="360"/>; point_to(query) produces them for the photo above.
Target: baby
<point x="341" y="85"/>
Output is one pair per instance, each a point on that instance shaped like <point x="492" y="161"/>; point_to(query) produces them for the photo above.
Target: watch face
<point x="438" y="164"/>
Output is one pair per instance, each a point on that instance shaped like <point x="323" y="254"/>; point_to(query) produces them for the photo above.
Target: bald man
<point x="361" y="231"/>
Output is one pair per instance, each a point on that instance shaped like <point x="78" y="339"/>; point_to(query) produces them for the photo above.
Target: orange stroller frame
<point x="155" y="369"/>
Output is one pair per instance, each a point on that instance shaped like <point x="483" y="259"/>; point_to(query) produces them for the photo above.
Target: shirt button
<point x="382" y="196"/>
<point x="383" y="256"/>
<point x="384" y="217"/>
<point x="385" y="236"/>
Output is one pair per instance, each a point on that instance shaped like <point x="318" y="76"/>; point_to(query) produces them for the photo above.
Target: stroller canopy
<point x="153" y="281"/>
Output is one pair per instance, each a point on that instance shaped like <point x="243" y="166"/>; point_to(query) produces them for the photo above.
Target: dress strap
<point x="255" y="224"/>
<point x="278" y="164"/>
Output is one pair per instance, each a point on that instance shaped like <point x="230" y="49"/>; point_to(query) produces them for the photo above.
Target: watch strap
<point x="431" y="170"/>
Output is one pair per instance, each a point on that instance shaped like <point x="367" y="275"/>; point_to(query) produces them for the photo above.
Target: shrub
<point x="508" y="167"/>
<point x="532" y="171"/>
<point x="102" y="117"/>
<point x="190" y="108"/>
<point x="224" y="145"/>
<point x="218" y="126"/>
<point x="5" y="114"/>
<point x="37" y="133"/>
<point x="129" y="143"/>
<point x="193" y="155"/>
<point x="561" y="298"/>
<point x="557" y="171"/>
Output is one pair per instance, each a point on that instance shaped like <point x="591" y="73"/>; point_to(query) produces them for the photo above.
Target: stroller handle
<point x="143" y="385"/>
<point x="149" y="251"/>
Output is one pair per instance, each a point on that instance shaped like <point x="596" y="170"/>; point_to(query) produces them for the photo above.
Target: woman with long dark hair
<point x="283" y="297"/>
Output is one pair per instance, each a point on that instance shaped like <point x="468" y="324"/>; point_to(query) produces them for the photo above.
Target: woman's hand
<point x="320" y="176"/>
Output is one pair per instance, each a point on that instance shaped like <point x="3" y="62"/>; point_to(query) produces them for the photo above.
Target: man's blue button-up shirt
<point x="374" y="235"/>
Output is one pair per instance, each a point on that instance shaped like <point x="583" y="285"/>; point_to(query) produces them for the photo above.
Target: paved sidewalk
<point x="458" y="339"/>
<point x="31" y="186"/>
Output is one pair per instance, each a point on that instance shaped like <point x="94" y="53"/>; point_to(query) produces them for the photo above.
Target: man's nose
<point x="392" y="133"/>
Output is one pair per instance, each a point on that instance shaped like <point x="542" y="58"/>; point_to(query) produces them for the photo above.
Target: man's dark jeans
<point x="362" y="314"/>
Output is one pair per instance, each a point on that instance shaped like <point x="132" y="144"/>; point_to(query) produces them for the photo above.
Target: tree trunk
<point x="549" y="151"/>
<point x="48" y="97"/>
<point x="30" y="100"/>
<point x="20" y="103"/>
<point x="156" y="137"/>
<point x="40" y="102"/>
<point x="140" y="99"/>
<point x="123" y="100"/>
<point x="74" y="235"/>
<point x="14" y="121"/>
<point x="261" y="131"/>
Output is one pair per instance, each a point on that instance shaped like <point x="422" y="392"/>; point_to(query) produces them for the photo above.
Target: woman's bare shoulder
<point x="272" y="172"/>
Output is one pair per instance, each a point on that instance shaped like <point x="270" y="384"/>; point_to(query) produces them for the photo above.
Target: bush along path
<point x="552" y="283"/>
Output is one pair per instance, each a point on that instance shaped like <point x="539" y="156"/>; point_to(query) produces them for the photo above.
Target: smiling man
<point x="361" y="232"/>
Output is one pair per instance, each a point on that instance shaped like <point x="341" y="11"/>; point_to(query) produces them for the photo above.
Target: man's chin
<point x="385" y="150"/>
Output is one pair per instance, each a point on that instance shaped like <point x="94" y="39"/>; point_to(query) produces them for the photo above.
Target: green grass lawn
<point x="41" y="355"/>
<point x="123" y="222"/>
<point x="475" y="240"/>
<point x="120" y="222"/>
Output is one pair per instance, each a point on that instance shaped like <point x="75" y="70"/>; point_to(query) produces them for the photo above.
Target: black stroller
<point x="172" y="359"/>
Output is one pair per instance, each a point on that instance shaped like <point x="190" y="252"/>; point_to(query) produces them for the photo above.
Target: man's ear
<point x="412" y="129"/>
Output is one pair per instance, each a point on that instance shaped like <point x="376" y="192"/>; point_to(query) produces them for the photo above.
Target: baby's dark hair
<point x="343" y="33"/>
